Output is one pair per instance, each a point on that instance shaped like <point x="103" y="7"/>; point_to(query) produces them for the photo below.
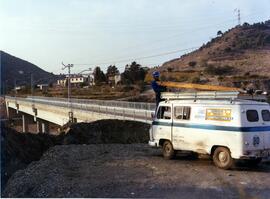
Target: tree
<point x="133" y="73"/>
<point x="99" y="76"/>
<point x="112" y="71"/>
<point x="192" y="63"/>
<point x="219" y="33"/>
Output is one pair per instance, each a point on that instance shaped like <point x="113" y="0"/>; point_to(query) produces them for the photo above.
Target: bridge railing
<point x="112" y="103"/>
<point x="117" y="109"/>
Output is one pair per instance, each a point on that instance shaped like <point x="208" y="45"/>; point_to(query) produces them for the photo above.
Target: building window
<point x="164" y="112"/>
<point x="266" y="115"/>
<point x="252" y="116"/>
<point x="182" y="112"/>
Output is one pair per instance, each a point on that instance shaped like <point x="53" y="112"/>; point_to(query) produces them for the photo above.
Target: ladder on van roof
<point x="210" y="95"/>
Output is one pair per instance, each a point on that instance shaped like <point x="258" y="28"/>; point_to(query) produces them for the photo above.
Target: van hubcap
<point x="222" y="157"/>
<point x="167" y="148"/>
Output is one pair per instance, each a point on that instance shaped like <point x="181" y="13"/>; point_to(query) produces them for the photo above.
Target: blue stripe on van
<point x="215" y="127"/>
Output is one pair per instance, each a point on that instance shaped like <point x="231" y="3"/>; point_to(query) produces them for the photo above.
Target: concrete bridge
<point x="45" y="110"/>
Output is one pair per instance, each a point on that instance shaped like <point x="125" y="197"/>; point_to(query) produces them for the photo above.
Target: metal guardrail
<point x="139" y="111"/>
<point x="111" y="103"/>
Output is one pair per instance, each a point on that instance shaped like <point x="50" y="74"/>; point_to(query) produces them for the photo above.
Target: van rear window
<point x="266" y="115"/>
<point x="252" y="116"/>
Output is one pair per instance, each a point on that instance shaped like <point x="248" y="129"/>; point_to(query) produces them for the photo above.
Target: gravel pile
<point x="20" y="149"/>
<point x="107" y="132"/>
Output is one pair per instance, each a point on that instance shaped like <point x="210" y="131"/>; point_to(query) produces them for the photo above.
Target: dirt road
<point x="133" y="170"/>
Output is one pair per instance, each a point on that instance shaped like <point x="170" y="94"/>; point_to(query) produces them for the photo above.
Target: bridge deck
<point x="57" y="110"/>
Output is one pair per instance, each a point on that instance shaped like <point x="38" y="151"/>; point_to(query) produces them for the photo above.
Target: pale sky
<point x="104" y="32"/>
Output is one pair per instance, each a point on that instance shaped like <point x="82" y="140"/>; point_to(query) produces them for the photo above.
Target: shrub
<point x="203" y="63"/>
<point x="182" y="79"/>
<point x="222" y="70"/>
<point x="195" y="80"/>
<point x="247" y="74"/>
<point x="220" y="78"/>
<point x="228" y="49"/>
<point x="192" y="63"/>
<point x="170" y="69"/>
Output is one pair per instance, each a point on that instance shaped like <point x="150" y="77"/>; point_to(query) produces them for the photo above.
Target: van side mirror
<point x="153" y="115"/>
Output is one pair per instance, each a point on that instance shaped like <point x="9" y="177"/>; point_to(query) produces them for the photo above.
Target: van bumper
<point x="153" y="143"/>
<point x="256" y="154"/>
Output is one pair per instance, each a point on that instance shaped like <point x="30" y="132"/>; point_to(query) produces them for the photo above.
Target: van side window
<point x="266" y="115"/>
<point x="252" y="116"/>
<point x="182" y="112"/>
<point x="164" y="112"/>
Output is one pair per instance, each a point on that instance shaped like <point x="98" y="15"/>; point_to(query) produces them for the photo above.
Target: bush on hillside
<point x="222" y="70"/>
<point x="192" y="63"/>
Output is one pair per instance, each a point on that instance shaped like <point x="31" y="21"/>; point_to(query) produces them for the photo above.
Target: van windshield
<point x="164" y="112"/>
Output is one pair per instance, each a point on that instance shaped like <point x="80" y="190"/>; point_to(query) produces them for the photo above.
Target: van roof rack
<point x="222" y="95"/>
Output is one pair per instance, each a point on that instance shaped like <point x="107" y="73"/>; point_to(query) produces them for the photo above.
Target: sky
<point x="89" y="33"/>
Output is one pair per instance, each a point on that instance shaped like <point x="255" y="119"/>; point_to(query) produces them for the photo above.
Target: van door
<point x="162" y="125"/>
<point x="180" y="134"/>
<point x="255" y="134"/>
<point x="265" y="114"/>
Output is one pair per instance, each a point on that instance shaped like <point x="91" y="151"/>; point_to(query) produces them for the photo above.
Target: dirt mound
<point x="107" y="132"/>
<point x="20" y="149"/>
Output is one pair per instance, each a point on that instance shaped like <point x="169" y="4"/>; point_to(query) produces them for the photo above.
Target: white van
<point x="219" y="124"/>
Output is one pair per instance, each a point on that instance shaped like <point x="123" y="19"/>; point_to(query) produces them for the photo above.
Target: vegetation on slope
<point x="238" y="57"/>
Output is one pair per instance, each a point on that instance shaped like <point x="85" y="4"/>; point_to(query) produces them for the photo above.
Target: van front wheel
<point x="222" y="158"/>
<point x="168" y="151"/>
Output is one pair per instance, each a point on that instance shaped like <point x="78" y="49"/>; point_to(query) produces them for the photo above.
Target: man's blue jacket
<point x="158" y="89"/>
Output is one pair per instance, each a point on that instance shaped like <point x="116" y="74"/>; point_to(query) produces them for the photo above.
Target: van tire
<point x="168" y="151"/>
<point x="222" y="158"/>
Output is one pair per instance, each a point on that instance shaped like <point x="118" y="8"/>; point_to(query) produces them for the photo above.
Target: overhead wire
<point x="159" y="54"/>
<point x="138" y="58"/>
<point x="181" y="33"/>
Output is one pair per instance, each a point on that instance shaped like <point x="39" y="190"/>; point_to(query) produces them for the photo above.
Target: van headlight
<point x="256" y="140"/>
<point x="151" y="134"/>
<point x="246" y="143"/>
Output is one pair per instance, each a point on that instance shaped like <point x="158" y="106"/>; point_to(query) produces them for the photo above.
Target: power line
<point x="171" y="52"/>
<point x="185" y="32"/>
<point x="139" y="58"/>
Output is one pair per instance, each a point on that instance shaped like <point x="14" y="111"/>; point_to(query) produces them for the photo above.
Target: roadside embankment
<point x="20" y="149"/>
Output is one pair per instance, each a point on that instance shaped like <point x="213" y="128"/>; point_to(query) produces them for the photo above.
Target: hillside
<point x="13" y="68"/>
<point x="238" y="57"/>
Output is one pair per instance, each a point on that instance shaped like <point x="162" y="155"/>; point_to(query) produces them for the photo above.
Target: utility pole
<point x="15" y="91"/>
<point x="32" y="91"/>
<point x="68" y="67"/>
<point x="32" y="86"/>
<point x="238" y="16"/>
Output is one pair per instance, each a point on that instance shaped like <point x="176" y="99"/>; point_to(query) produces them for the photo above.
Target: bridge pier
<point x="43" y="126"/>
<point x="38" y="123"/>
<point x="25" y="123"/>
<point x="11" y="113"/>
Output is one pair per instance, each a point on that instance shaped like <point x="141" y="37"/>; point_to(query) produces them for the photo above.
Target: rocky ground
<point x="110" y="158"/>
<point x="133" y="170"/>
<point x="20" y="149"/>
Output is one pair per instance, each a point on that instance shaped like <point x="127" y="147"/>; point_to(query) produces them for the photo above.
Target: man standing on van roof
<point x="156" y="87"/>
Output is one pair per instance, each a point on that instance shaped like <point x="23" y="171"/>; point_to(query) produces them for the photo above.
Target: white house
<point x="77" y="80"/>
<point x="62" y="82"/>
<point x="43" y="87"/>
